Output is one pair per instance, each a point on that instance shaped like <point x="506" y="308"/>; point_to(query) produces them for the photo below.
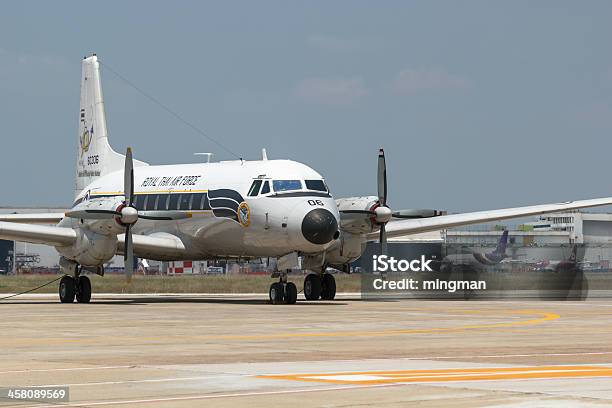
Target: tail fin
<point x="95" y="157"/>
<point x="503" y="242"/>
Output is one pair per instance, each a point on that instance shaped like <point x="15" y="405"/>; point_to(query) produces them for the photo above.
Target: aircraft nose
<point x="319" y="226"/>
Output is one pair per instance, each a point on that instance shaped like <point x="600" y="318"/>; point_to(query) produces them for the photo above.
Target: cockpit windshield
<point x="286" y="185"/>
<point x="264" y="187"/>
<point x="316" y="185"/>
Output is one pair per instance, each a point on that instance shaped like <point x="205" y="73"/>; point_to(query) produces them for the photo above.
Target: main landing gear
<point x="316" y="286"/>
<point x="78" y="287"/>
<point x="320" y="286"/>
<point x="283" y="291"/>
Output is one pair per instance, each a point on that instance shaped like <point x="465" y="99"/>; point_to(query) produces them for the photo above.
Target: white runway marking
<point x="148" y="380"/>
<point x="188" y="366"/>
<point x="215" y="396"/>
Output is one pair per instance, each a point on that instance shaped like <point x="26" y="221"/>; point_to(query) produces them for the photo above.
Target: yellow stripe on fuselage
<point x="149" y="192"/>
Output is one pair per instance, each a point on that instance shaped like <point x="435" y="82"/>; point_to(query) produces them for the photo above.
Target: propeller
<point x="381" y="214"/>
<point x="126" y="214"/>
<point x="130" y="211"/>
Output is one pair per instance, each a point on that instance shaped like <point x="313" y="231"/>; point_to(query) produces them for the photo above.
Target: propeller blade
<point x="424" y="213"/>
<point x="128" y="178"/>
<point x="382" y="178"/>
<point x="163" y="215"/>
<point x="367" y="212"/>
<point x="155" y="218"/>
<point x="128" y="254"/>
<point x="383" y="240"/>
<point x="92" y="214"/>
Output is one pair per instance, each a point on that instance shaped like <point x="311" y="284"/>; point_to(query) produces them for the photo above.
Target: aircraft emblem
<point x="86" y="138"/>
<point x="244" y="214"/>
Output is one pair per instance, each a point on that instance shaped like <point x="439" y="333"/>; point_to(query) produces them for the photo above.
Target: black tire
<point x="83" y="294"/>
<point x="67" y="289"/>
<point x="328" y="287"/>
<point x="290" y="293"/>
<point x="312" y="287"/>
<point x="277" y="293"/>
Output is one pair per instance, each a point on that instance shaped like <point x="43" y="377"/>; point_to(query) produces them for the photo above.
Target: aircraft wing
<point x="37" y="234"/>
<point x="165" y="247"/>
<point x="415" y="226"/>
<point x="33" y="218"/>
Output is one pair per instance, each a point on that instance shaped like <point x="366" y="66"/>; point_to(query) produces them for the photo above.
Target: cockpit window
<point x="317" y="185"/>
<point x="254" y="190"/>
<point x="266" y="187"/>
<point x="286" y="185"/>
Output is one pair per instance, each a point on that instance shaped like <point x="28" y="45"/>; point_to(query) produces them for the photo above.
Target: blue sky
<point x="479" y="104"/>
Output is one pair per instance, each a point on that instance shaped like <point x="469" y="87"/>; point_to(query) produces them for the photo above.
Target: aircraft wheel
<point x="67" y="289"/>
<point x="290" y="293"/>
<point x="328" y="287"/>
<point x="83" y="294"/>
<point x="276" y="293"/>
<point x="312" y="287"/>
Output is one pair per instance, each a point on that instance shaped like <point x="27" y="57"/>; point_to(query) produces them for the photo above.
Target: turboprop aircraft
<point x="229" y="209"/>
<point x="485" y="258"/>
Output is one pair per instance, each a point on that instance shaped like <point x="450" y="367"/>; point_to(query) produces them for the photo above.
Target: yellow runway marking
<point x="450" y="375"/>
<point x="538" y="317"/>
<point x="542" y="317"/>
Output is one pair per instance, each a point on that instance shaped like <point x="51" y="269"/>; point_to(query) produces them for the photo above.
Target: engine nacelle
<point x="90" y="248"/>
<point x="103" y="226"/>
<point x="357" y="223"/>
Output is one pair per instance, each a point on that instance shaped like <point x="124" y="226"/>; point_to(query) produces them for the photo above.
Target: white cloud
<point x="331" y="91"/>
<point x="330" y="43"/>
<point x="410" y="81"/>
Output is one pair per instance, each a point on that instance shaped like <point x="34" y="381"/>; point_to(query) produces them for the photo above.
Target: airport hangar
<point x="535" y="238"/>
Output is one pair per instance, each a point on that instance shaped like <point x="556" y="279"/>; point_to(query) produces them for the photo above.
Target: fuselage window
<point x="185" y="201"/>
<point x="151" y="202"/>
<point x="173" y="203"/>
<point x="317" y="185"/>
<point x="266" y="187"/>
<point x="162" y="202"/>
<point x="196" y="204"/>
<point x="286" y="185"/>
<point x="139" y="202"/>
<point x="254" y="190"/>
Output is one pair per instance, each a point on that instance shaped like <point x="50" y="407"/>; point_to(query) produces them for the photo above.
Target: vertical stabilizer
<point x="95" y="156"/>
<point x="503" y="242"/>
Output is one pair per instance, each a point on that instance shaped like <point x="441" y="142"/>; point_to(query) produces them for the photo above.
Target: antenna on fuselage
<point x="264" y="154"/>
<point x="208" y="156"/>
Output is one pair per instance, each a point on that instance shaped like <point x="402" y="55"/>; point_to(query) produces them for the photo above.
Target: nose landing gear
<point x="283" y="291"/>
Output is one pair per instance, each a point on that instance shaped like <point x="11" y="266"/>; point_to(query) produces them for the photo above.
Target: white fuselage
<point x="217" y="214"/>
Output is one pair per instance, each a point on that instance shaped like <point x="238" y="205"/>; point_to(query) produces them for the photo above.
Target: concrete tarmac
<point x="193" y="350"/>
